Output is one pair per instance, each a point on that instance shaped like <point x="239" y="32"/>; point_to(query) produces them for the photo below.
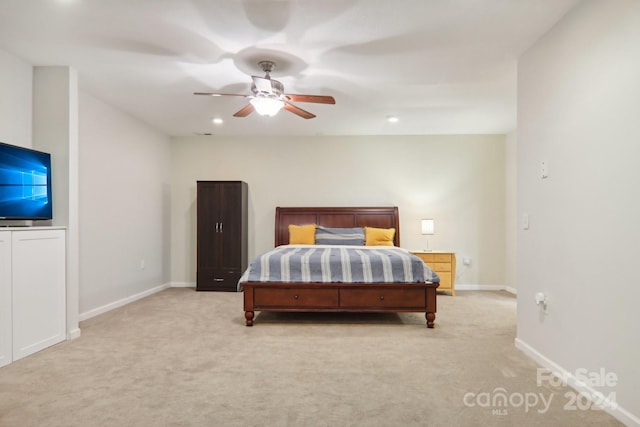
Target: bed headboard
<point x="343" y="217"/>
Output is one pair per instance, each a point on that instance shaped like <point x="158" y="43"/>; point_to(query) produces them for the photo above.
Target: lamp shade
<point x="266" y="106"/>
<point x="428" y="226"/>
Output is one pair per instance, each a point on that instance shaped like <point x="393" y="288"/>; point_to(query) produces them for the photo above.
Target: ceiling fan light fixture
<point x="267" y="106"/>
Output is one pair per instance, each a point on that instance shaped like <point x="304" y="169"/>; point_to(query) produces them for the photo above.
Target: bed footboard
<point x="340" y="297"/>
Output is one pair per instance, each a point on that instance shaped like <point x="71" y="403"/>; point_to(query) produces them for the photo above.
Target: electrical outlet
<point x="141" y="264"/>
<point x="542" y="300"/>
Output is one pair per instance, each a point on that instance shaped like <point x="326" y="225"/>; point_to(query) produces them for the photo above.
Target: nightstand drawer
<point x="432" y="257"/>
<point x="445" y="282"/>
<point x="439" y="266"/>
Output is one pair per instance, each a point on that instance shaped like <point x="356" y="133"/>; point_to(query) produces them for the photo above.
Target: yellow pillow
<point x="302" y="234"/>
<point x="379" y="236"/>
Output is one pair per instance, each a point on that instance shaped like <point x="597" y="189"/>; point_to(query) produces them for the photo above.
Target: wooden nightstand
<point x="443" y="263"/>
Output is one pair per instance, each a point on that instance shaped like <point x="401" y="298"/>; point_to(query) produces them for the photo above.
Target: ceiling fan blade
<point x="219" y="94"/>
<point x="298" y="111"/>
<point x="244" y="112"/>
<point x="318" y="99"/>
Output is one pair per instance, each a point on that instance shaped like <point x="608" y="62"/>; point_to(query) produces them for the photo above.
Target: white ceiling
<point x="440" y="66"/>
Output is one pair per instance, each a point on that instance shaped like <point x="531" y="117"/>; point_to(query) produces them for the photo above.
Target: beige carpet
<point x="185" y="358"/>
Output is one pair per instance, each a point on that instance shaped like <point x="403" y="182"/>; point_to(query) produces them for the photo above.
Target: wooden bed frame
<point x="338" y="297"/>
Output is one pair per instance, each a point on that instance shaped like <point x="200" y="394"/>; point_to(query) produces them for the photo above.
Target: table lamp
<point x="428" y="228"/>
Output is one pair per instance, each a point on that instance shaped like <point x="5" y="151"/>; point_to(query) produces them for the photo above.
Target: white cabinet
<point x="5" y="299"/>
<point x="36" y="291"/>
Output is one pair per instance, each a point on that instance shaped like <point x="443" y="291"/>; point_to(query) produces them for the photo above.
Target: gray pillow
<point x="340" y="236"/>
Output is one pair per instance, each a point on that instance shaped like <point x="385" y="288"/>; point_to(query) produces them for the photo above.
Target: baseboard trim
<point x="613" y="408"/>
<point x="467" y="287"/>
<point x="73" y="334"/>
<point x="511" y="290"/>
<point x="128" y="300"/>
<point x="182" y="284"/>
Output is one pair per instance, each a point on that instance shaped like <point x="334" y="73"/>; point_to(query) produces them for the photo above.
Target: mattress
<point x="338" y="264"/>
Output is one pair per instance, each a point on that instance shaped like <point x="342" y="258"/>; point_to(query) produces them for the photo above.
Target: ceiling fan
<point x="268" y="96"/>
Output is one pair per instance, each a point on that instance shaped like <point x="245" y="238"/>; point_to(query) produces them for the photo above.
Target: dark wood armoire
<point x="221" y="234"/>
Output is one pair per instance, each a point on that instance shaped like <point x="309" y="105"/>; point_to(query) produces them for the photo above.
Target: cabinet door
<point x="5" y="299"/>
<point x="209" y="243"/>
<point x="38" y="287"/>
<point x="230" y="204"/>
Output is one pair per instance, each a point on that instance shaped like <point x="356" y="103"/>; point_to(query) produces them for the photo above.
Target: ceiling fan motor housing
<point x="267" y="88"/>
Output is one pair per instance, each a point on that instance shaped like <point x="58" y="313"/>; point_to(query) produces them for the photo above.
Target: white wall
<point x="124" y="207"/>
<point x="511" y="206"/>
<point x="578" y="110"/>
<point x="457" y="180"/>
<point x="16" y="80"/>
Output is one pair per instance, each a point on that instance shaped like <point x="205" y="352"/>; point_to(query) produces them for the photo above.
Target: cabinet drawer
<point x="295" y="297"/>
<point x="439" y="266"/>
<point x="382" y="298"/>
<point x="217" y="280"/>
<point x="433" y="257"/>
<point x="445" y="281"/>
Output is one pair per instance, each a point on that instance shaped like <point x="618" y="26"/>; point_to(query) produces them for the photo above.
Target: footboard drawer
<point x="383" y="298"/>
<point x="287" y="297"/>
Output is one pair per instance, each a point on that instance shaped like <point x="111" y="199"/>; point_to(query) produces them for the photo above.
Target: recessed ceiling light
<point x="217" y="121"/>
<point x="392" y="119"/>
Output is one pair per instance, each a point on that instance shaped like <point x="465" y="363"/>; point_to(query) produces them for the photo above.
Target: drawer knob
<point x="381" y="297"/>
<point x="216" y="279"/>
<point x="296" y="297"/>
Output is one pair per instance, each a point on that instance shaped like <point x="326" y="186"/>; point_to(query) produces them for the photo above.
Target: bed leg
<point x="249" y="316"/>
<point x="430" y="319"/>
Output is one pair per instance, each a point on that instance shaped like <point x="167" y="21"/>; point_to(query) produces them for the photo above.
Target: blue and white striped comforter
<point x="330" y="264"/>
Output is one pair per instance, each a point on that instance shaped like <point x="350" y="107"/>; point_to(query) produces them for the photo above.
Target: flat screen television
<point x="25" y="184"/>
